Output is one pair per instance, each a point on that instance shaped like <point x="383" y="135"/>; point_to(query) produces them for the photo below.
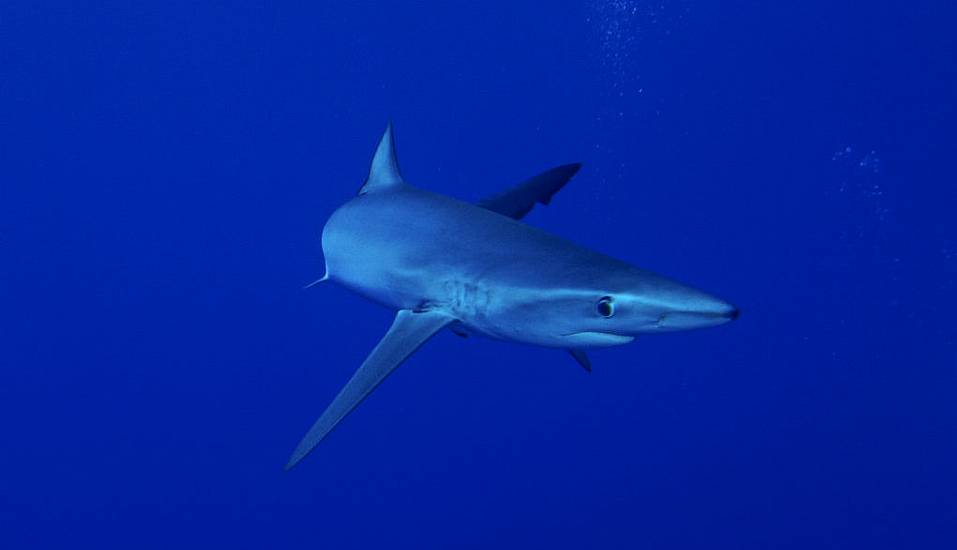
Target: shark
<point x="477" y="269"/>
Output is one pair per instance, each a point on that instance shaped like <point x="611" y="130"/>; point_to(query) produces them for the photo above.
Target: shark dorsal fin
<point x="384" y="171"/>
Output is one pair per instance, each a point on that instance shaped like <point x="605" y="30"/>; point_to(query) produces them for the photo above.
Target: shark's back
<point x="474" y="269"/>
<point x="420" y="244"/>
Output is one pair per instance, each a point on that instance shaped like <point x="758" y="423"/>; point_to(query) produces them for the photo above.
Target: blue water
<point x="165" y="171"/>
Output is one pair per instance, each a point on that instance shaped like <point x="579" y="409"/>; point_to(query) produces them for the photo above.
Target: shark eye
<point x="606" y="307"/>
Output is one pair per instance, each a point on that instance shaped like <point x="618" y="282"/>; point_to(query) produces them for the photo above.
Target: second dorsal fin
<point x="384" y="170"/>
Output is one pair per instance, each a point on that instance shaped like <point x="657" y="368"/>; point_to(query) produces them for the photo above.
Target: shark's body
<point x="478" y="270"/>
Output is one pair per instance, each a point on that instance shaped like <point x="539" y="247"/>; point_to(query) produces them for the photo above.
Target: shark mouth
<point x="597" y="339"/>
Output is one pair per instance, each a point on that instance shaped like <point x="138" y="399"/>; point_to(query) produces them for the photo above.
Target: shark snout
<point x="699" y="312"/>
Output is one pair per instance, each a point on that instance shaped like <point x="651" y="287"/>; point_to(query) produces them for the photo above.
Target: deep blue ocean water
<point x="166" y="169"/>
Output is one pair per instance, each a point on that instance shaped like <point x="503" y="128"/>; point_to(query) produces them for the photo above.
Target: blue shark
<point x="477" y="269"/>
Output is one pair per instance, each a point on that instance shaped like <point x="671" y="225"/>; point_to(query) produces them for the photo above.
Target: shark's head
<point x="613" y="310"/>
<point x="617" y="317"/>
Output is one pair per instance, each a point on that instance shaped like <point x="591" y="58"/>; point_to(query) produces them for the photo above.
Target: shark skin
<point x="477" y="269"/>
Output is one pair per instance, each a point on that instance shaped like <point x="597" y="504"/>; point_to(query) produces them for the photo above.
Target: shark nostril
<point x="734" y="313"/>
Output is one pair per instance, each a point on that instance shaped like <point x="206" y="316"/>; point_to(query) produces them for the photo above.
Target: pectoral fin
<point x="519" y="200"/>
<point x="582" y="358"/>
<point x="408" y="332"/>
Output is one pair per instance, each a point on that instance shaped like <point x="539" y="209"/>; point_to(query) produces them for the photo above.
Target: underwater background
<point x="166" y="169"/>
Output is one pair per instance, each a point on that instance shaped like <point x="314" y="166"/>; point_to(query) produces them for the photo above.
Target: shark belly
<point x="474" y="268"/>
<point x="411" y="249"/>
<point x="387" y="249"/>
